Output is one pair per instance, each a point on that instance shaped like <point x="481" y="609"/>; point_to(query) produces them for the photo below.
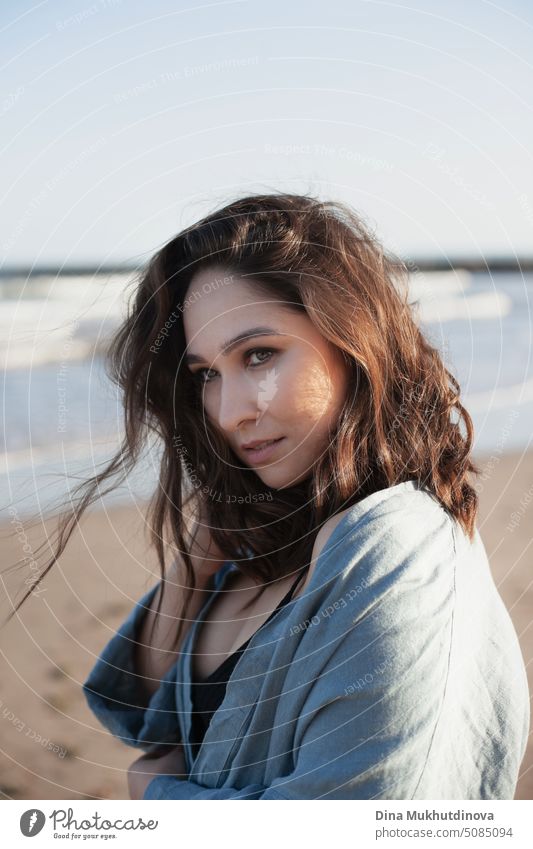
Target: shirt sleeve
<point x="115" y="694"/>
<point x="366" y="726"/>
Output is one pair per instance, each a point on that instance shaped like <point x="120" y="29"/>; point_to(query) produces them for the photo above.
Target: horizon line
<point x="413" y="264"/>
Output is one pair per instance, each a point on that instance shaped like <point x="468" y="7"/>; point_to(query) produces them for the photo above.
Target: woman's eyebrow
<point x="229" y="344"/>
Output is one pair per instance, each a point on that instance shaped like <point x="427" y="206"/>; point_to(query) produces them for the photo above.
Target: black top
<point x="207" y="695"/>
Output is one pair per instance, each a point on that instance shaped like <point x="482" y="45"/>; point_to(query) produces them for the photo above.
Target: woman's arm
<point x="131" y="689"/>
<point x="153" y="656"/>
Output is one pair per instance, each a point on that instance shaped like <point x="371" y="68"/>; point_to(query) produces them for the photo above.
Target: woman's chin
<point x="281" y="479"/>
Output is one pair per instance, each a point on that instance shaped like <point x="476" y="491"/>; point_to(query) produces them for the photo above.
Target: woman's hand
<point x="167" y="761"/>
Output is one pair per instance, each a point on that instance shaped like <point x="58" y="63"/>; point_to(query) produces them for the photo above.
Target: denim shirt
<point x="396" y="675"/>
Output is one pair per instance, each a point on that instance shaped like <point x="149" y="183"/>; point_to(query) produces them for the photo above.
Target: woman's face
<point x="283" y="381"/>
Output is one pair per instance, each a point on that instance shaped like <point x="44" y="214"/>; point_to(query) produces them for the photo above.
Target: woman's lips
<point x="264" y="452"/>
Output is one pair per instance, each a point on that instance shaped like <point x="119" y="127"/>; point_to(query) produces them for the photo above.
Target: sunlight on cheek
<point x="314" y="396"/>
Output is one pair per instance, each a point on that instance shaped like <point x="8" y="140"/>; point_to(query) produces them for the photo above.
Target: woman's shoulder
<point x="402" y="524"/>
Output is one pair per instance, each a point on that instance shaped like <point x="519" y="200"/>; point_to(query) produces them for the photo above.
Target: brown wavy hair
<point x="396" y="423"/>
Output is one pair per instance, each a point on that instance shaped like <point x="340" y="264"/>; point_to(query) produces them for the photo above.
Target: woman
<point x="328" y="627"/>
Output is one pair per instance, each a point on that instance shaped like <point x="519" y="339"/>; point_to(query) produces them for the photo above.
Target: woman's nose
<point x="238" y="403"/>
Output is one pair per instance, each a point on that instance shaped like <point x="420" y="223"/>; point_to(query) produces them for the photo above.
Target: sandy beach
<point x="52" y="746"/>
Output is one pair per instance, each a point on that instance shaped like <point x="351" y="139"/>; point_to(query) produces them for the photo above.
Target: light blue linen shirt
<point x="396" y="675"/>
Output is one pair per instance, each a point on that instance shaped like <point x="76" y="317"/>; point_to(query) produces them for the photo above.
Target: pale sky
<point x="123" y="122"/>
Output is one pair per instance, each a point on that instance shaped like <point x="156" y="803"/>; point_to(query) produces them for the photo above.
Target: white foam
<point x="497" y="399"/>
<point x="55" y="319"/>
<point x="429" y="284"/>
<point x="478" y="307"/>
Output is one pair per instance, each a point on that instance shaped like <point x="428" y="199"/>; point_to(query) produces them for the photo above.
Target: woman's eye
<point x="200" y="376"/>
<point x="261" y="351"/>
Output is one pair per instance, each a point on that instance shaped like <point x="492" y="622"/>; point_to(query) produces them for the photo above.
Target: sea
<point x="62" y="416"/>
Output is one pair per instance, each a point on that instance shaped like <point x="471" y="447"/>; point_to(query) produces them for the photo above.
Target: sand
<point x="51" y="745"/>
